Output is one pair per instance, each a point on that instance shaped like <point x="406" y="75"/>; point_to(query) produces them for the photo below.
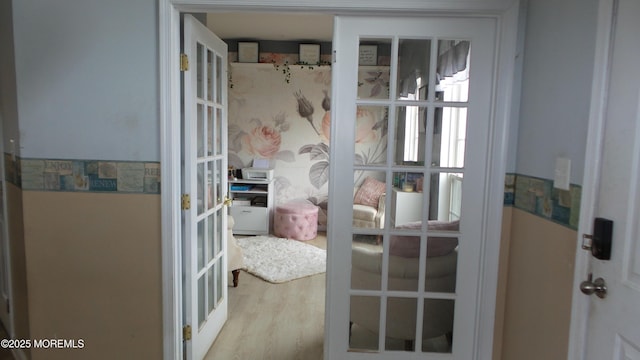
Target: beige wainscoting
<point x="94" y="273"/>
<point x="502" y="282"/>
<point x="538" y="289"/>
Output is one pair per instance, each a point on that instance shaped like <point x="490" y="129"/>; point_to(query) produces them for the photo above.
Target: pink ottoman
<point x="296" y="220"/>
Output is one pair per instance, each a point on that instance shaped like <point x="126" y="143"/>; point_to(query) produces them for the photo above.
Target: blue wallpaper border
<point x="529" y="193"/>
<point x="102" y="176"/>
<point x="538" y="196"/>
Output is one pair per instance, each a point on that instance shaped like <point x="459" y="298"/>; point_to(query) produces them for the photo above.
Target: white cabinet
<point x="251" y="206"/>
<point x="406" y="207"/>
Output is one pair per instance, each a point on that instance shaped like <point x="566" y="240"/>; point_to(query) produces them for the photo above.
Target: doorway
<point x="493" y="186"/>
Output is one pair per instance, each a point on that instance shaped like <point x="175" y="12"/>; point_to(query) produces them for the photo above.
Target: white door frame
<point x="505" y="12"/>
<point x="591" y="177"/>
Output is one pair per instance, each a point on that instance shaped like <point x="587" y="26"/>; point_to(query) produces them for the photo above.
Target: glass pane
<point x="218" y="281"/>
<point x="369" y="199"/>
<point x="411" y="123"/>
<point x="210" y="186"/>
<point x="373" y="68"/>
<point x="211" y="277"/>
<point x="210" y="75"/>
<point x="371" y="135"/>
<point x="202" y="301"/>
<point x="200" y="131"/>
<point x="218" y="227"/>
<point x="364" y="323"/>
<point x="200" y="71"/>
<point x="218" y="181"/>
<point x="437" y="325"/>
<point x="366" y="263"/>
<point x="210" y="130"/>
<point x="452" y="78"/>
<point x="401" y="324"/>
<point x="201" y="186"/>
<point x="445" y="196"/>
<point x="404" y="262"/>
<point x="218" y="79"/>
<point x="449" y="136"/>
<point x="406" y="200"/>
<point x="413" y="69"/>
<point x="218" y="131"/>
<point x="202" y="236"/>
<point x="210" y="237"/>
<point x="442" y="264"/>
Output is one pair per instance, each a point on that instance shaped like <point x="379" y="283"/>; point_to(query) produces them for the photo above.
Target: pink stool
<point x="296" y="220"/>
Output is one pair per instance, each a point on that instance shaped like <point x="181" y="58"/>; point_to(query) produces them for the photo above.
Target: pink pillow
<point x="369" y="192"/>
<point x="409" y="246"/>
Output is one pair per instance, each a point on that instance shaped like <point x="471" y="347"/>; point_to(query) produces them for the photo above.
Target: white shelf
<point x="252" y="219"/>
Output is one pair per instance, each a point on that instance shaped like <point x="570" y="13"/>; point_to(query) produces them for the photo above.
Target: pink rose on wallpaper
<point x="365" y="126"/>
<point x="326" y="126"/>
<point x="264" y="141"/>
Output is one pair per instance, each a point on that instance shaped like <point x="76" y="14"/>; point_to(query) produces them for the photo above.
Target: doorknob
<point x="597" y="286"/>
<point x="227" y="201"/>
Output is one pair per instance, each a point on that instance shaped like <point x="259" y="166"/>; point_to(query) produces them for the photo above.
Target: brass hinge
<point x="184" y="62"/>
<point x="186" y="332"/>
<point x="186" y="201"/>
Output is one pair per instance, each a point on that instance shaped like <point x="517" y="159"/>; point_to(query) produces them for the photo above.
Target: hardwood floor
<point x="274" y="321"/>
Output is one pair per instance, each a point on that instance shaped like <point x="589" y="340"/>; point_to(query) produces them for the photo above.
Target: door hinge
<point x="8" y="307"/>
<point x="186" y="201"/>
<point x="334" y="56"/>
<point x="186" y="332"/>
<point x="184" y="62"/>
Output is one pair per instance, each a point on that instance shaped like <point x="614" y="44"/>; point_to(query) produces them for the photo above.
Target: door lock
<point x="597" y="286"/>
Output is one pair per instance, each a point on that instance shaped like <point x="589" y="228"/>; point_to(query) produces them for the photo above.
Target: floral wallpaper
<point x="283" y="113"/>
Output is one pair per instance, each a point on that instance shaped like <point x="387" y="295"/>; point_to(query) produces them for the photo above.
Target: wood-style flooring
<point x="274" y="321"/>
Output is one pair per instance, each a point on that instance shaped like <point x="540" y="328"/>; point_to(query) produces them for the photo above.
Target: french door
<point x="204" y="187"/>
<point x="419" y="90"/>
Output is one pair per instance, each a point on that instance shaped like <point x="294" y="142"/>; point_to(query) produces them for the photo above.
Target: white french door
<point x="204" y="184"/>
<point x="422" y="88"/>
<point x="612" y="323"/>
<point x="5" y="259"/>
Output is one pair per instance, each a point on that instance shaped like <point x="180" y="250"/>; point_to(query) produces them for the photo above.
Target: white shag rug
<point x="279" y="260"/>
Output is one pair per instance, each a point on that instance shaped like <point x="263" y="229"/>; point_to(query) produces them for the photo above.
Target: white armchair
<point x="365" y="216"/>
<point x="403" y="275"/>
<point x="368" y="204"/>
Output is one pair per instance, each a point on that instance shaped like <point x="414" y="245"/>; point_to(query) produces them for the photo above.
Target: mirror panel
<point x="414" y="57"/>
<point x="406" y="200"/>
<point x="452" y="77"/>
<point x="410" y="135"/>
<point x="373" y="68"/>
<point x="363" y="336"/>
<point x="445" y="196"/>
<point x="449" y="137"/>
<point x="369" y="199"/>
<point x="370" y="140"/>
<point x="401" y="324"/>
<point x="437" y="325"/>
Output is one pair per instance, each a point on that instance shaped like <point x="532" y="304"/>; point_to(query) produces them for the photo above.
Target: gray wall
<point x="556" y="86"/>
<point x="87" y="75"/>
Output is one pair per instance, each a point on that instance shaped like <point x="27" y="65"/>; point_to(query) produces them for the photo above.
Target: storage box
<point x="241" y="202"/>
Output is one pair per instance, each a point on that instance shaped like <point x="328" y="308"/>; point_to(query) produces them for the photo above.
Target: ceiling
<point x="271" y="26"/>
